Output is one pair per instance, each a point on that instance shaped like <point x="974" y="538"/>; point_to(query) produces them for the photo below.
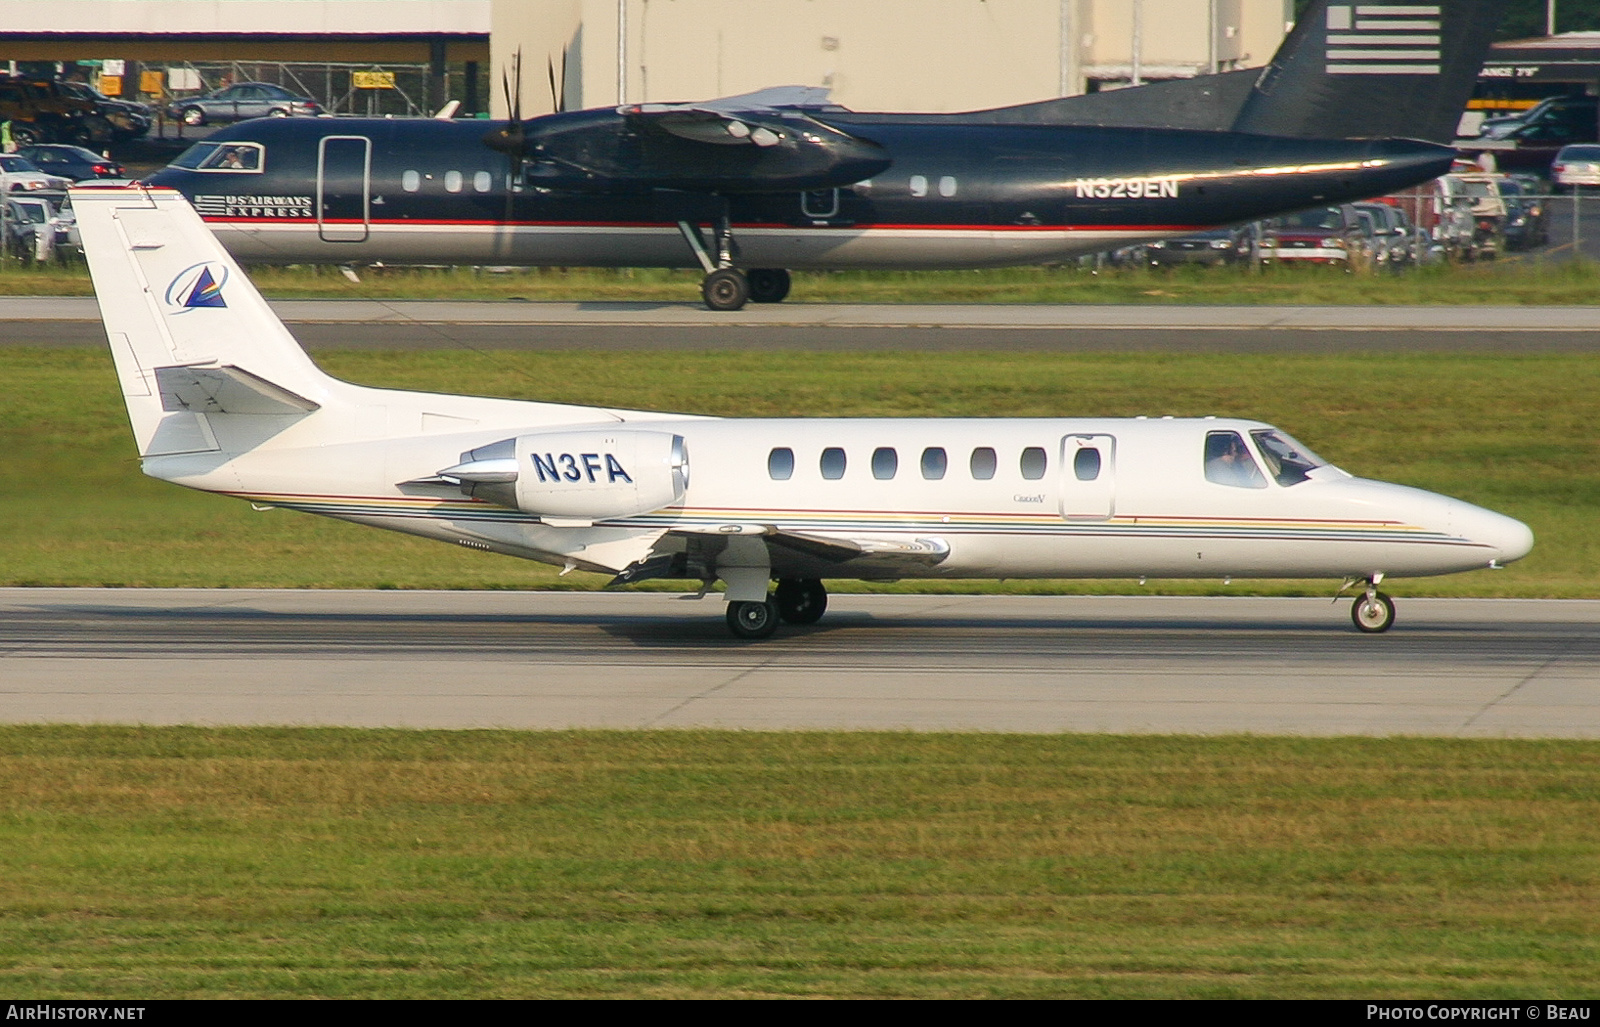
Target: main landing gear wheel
<point x="768" y="284"/>
<point x="801" y="600"/>
<point x="753" y="620"/>
<point x="1372" y="613"/>
<point x="725" y="289"/>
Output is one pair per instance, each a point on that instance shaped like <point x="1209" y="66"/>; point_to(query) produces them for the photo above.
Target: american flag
<point x="1383" y="39"/>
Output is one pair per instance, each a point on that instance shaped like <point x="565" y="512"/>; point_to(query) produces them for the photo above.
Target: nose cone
<point x="1508" y="537"/>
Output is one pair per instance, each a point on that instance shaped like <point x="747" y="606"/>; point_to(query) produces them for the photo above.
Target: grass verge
<point x="185" y="862"/>
<point x="1513" y="433"/>
<point x="1526" y="281"/>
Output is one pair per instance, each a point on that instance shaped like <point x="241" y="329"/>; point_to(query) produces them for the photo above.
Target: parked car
<point x="1321" y="235"/>
<point x="1531" y="140"/>
<point x="1525" y="214"/>
<point x="33" y="231"/>
<point x="126" y="119"/>
<point x="18" y="175"/>
<point x="1578" y="164"/>
<point x="72" y="162"/>
<point x="43" y="110"/>
<point x="1218" y="246"/>
<point x="1442" y="216"/>
<point x="241" y="102"/>
<point x="1395" y="243"/>
<point x="1488" y="213"/>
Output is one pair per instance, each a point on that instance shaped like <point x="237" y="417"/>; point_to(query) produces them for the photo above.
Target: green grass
<point x="184" y="862"/>
<point x="1519" y="281"/>
<point x="1514" y="433"/>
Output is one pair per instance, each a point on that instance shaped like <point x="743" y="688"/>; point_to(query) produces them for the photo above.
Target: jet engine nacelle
<point x="578" y="475"/>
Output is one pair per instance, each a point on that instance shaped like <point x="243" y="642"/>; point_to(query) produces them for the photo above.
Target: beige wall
<point x="903" y="55"/>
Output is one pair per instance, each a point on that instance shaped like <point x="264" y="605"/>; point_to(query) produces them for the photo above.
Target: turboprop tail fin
<point x="190" y="335"/>
<point x="1376" y="69"/>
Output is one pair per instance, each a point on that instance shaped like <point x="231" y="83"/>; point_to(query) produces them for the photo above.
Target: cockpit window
<point x="1287" y="461"/>
<point x="234" y="157"/>
<point x="1228" y="461"/>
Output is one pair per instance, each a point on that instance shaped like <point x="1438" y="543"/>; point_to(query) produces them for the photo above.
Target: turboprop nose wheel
<point x="1372" y="612"/>
<point x="726" y="288"/>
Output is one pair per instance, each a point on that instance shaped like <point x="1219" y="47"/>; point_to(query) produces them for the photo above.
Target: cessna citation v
<point x="222" y="399"/>
<point x="784" y="180"/>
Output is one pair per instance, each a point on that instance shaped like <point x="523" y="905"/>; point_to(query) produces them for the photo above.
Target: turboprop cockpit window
<point x="249" y="158"/>
<point x="1228" y="462"/>
<point x="1287" y="461"/>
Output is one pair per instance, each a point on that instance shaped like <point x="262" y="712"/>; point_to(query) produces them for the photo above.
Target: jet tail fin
<point x="1373" y="69"/>
<point x="190" y="335"/>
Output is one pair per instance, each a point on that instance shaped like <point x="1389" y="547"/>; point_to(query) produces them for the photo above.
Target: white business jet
<point x="224" y="400"/>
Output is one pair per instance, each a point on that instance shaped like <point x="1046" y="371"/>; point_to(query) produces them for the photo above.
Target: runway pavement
<point x="417" y="324"/>
<point x="1525" y="668"/>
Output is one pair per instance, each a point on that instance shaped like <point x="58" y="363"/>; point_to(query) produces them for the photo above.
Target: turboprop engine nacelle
<point x="583" y="476"/>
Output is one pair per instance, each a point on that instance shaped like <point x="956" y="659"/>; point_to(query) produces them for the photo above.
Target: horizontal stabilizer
<point x="225" y="390"/>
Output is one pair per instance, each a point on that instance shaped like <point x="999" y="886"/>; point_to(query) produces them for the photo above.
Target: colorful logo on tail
<point x="198" y="286"/>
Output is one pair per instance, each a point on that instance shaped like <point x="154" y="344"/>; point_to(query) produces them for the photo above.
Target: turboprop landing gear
<point x="768" y="284"/>
<point x="753" y="620"/>
<point x="801" y="600"/>
<point x="1372" y="612"/>
<point x="725" y="287"/>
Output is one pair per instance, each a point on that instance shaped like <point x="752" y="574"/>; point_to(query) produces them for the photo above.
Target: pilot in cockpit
<point x="1228" y="462"/>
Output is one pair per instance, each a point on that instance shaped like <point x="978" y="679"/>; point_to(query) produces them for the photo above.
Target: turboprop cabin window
<point x="411" y="181"/>
<point x="780" y="464"/>
<point x="833" y="463"/>
<point x="1287" y="461"/>
<point x="1228" y="462"/>
<point x="1034" y="463"/>
<point x="983" y="463"/>
<point x="934" y="463"/>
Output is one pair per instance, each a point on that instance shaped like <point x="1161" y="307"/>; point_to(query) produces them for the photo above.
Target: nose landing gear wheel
<point x="725" y="289"/>
<point x="768" y="284"/>
<point x="801" y="600"/>
<point x="1373" y="613"/>
<point x="753" y="620"/>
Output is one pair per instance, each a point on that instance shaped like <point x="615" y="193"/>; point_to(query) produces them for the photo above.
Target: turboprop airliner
<point x="223" y="399"/>
<point x="1357" y="102"/>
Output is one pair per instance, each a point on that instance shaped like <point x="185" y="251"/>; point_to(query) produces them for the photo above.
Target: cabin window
<point x="833" y="463"/>
<point x="452" y="181"/>
<point x="1228" y="462"/>
<point x="885" y="462"/>
<point x="934" y="463"/>
<point x="947" y="186"/>
<point x="983" y="463"/>
<point x="1086" y="464"/>
<point x="411" y="181"/>
<point x="1287" y="461"/>
<point x="1034" y="463"/>
<point x="919" y="185"/>
<point x="780" y="463"/>
<point x="482" y="180"/>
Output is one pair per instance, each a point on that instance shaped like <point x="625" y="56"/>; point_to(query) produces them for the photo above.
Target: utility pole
<point x="1138" y="43"/>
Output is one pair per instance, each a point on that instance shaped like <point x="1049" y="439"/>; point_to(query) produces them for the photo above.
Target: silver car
<point x="243" y="101"/>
